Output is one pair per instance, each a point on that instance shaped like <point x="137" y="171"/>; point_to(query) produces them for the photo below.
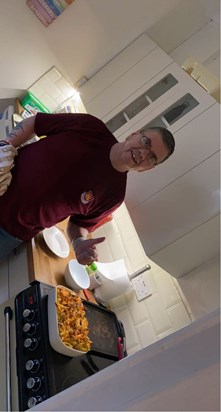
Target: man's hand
<point x="7" y="155"/>
<point x="5" y="181"/>
<point x="85" y="249"/>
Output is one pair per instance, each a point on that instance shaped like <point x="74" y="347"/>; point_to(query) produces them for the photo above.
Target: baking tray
<point x="104" y="329"/>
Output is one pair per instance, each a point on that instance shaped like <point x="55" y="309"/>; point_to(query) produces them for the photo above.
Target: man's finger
<point x="92" y="242"/>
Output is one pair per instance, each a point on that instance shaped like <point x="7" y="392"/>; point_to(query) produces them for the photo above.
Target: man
<point x="78" y="170"/>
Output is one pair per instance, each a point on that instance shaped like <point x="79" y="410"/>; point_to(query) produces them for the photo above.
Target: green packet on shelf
<point x="32" y="104"/>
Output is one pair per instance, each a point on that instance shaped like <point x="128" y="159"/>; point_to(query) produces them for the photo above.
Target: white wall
<point x="200" y="288"/>
<point x="88" y="34"/>
<point x="25" y="55"/>
<point x="189" y="17"/>
<point x="203" y="46"/>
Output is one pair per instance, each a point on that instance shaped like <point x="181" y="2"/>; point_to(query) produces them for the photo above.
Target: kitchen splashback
<point x="173" y="304"/>
<point x="158" y="315"/>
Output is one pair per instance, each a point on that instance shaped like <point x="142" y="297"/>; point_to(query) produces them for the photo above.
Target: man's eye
<point x="145" y="141"/>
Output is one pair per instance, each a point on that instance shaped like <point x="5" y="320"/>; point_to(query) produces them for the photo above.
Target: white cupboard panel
<point x="179" y="208"/>
<point x="185" y="85"/>
<point x="148" y="115"/>
<point x="116" y="68"/>
<point x="192" y="250"/>
<point x="4" y="292"/>
<point x="195" y="142"/>
<point x="18" y="270"/>
<point x="173" y="69"/>
<point x="133" y="79"/>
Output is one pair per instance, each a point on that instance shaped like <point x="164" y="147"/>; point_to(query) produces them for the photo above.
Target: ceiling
<point x="88" y="34"/>
<point x="92" y="32"/>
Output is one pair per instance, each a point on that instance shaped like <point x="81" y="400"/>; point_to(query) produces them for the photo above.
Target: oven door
<point x="13" y="380"/>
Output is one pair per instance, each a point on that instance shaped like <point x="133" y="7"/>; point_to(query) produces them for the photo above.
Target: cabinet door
<point x="150" y="95"/>
<point x="145" y="70"/>
<point x="18" y="270"/>
<point x="195" y="142"/>
<point x="180" y="207"/>
<point x="191" y="250"/>
<point x="170" y="100"/>
<point x="116" y="68"/>
<point x="4" y="292"/>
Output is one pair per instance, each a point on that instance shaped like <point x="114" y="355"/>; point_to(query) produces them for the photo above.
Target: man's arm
<point x="22" y="132"/>
<point x="75" y="231"/>
<point x="85" y="249"/>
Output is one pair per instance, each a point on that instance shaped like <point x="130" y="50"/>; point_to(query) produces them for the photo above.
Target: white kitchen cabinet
<point x="139" y="101"/>
<point x="171" y="201"/>
<point x="200" y="245"/>
<point x="179" y="208"/>
<point x="195" y="142"/>
<point x="127" y="84"/>
<point x="117" y="67"/>
<point x="175" y="205"/>
<point x="18" y="270"/>
<point x="157" y="111"/>
<point x="4" y="292"/>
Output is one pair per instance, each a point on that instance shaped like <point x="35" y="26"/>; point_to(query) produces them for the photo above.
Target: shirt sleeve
<point x="54" y="123"/>
<point x="90" y="222"/>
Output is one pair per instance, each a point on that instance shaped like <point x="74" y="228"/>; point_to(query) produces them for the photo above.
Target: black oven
<point x="43" y="372"/>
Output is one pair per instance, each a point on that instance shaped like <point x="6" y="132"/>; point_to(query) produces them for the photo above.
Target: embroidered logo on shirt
<point x="87" y="197"/>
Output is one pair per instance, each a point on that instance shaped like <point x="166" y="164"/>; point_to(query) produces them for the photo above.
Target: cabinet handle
<point x="8" y="317"/>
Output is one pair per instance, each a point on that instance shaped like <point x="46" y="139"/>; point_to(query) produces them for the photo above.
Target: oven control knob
<point x="28" y="314"/>
<point x="34" y="400"/>
<point x="29" y="328"/>
<point x="33" y="383"/>
<point x="30" y="343"/>
<point x="32" y="365"/>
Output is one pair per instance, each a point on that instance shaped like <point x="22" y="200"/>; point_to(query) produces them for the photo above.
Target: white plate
<point x="56" y="241"/>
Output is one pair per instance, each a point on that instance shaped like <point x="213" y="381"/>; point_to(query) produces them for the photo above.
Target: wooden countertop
<point x="46" y="267"/>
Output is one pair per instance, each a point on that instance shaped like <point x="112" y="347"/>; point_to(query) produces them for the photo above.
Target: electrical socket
<point x="142" y="289"/>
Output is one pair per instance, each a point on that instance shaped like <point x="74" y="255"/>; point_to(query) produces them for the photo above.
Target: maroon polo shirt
<point x="68" y="173"/>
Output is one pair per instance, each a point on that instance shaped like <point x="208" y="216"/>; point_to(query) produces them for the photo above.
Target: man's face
<point x="144" y="150"/>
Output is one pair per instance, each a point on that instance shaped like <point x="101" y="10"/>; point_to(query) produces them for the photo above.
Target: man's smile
<point x="134" y="157"/>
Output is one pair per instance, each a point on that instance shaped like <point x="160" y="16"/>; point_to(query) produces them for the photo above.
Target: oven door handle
<point x="8" y="317"/>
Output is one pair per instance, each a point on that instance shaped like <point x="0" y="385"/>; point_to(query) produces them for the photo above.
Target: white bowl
<point x="76" y="275"/>
<point x="54" y="337"/>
